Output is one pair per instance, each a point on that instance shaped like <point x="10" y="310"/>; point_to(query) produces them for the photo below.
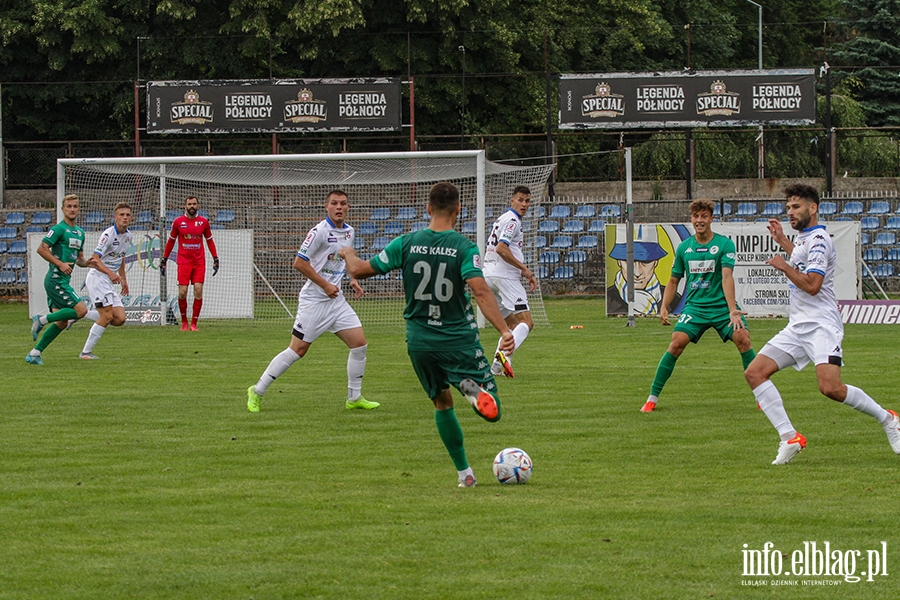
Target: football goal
<point x="261" y="207"/>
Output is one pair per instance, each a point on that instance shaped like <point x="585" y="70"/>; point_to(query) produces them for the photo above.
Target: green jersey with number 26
<point x="435" y="267"/>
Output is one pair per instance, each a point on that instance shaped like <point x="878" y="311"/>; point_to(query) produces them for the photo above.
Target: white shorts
<point x="316" y="317"/>
<point x="510" y="295"/>
<point x="101" y="290"/>
<point x="798" y="346"/>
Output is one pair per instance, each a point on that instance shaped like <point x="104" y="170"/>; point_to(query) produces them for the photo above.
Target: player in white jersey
<point x="108" y="270"/>
<point x="321" y="305"/>
<point x="814" y="331"/>
<point x="504" y="268"/>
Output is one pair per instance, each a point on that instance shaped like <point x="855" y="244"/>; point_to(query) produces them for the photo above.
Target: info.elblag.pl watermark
<point x="813" y="563"/>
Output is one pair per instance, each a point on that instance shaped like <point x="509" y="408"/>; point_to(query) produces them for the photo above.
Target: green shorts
<point x="60" y="295"/>
<point x="438" y="370"/>
<point x="694" y="321"/>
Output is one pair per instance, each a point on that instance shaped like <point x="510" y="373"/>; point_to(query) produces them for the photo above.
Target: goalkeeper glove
<point x="215" y="265"/>
<point x="162" y="265"/>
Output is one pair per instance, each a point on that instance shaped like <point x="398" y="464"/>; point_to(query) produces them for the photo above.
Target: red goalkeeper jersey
<point x="190" y="233"/>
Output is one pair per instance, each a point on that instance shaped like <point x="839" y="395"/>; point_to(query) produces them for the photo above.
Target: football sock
<point x="63" y="314"/>
<point x="461" y="475"/>
<point x="182" y="306"/>
<point x="520" y="332"/>
<point x="452" y="436"/>
<point x="747" y="357"/>
<point x="92" y="315"/>
<point x="50" y="334"/>
<point x="93" y="337"/>
<point x="861" y="401"/>
<point x="772" y="405"/>
<point x="356" y="368"/>
<point x="653" y="398"/>
<point x="281" y="363"/>
<point x="198" y="304"/>
<point x="663" y="372"/>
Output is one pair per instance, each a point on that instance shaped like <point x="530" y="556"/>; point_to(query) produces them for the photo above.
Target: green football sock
<point x="452" y="436"/>
<point x="663" y="372"/>
<point x="63" y="314"/>
<point x="747" y="357"/>
<point x="50" y="332"/>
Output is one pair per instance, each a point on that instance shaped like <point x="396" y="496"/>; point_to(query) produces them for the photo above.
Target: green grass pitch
<point x="143" y="475"/>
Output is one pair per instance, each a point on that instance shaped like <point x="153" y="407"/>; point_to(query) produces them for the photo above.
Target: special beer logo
<point x="305" y="109"/>
<point x="603" y="103"/>
<point x="192" y="111"/>
<point x="718" y="101"/>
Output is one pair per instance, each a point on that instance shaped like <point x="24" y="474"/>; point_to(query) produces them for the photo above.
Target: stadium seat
<point x="367" y="228"/>
<point x="585" y="211"/>
<point x="560" y="211"/>
<point x="539" y="212"/>
<point x="419" y="225"/>
<point x="864" y="239"/>
<point x="407" y="213"/>
<point x="562" y="241"/>
<point x="880" y="207"/>
<point x="18" y="247"/>
<point x="549" y="257"/>
<point x="852" y="208"/>
<point x="470" y="227"/>
<point x="873" y="254"/>
<point x="542" y="272"/>
<point x="14" y="263"/>
<point x="737" y="220"/>
<point x="892" y="223"/>
<point x="145" y="217"/>
<point x="359" y="243"/>
<point x="761" y="220"/>
<point x="718" y="210"/>
<point x="393" y="228"/>
<point x="216" y="226"/>
<point x="576" y="257"/>
<point x="893" y="254"/>
<point x="746" y="209"/>
<point x="611" y="211"/>
<point x="827" y="208"/>
<point x="843" y="218"/>
<point x="772" y="209"/>
<point x="573" y="226"/>
<point x="224" y="216"/>
<point x="563" y="273"/>
<point x="882" y="239"/>
<point x="870" y="223"/>
<point x="548" y="226"/>
<point x="3" y="247"/>
<point x="8" y="233"/>
<point x="463" y="213"/>
<point x="15" y="218"/>
<point x="540" y="241"/>
<point x="526" y="225"/>
<point x="8" y="277"/>
<point x="380" y="214"/>
<point x="884" y="270"/>
<point x="587" y="242"/>
<point x="171" y="215"/>
<point x="379" y="243"/>
<point x="35" y="229"/>
<point x="203" y="213"/>
<point x="41" y="218"/>
<point x="597" y="226"/>
<point x="23" y="277"/>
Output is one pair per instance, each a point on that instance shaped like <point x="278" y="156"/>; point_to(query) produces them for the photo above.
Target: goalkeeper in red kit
<point x="190" y="229"/>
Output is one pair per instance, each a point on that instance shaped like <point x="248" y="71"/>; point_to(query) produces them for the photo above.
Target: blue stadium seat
<point x="585" y="211"/>
<point x="880" y="207"/>
<point x="560" y="211"/>
<point x="526" y="225"/>
<point x="540" y="241"/>
<point x="15" y="218"/>
<point x="145" y="217"/>
<point x="419" y="226"/>
<point x="573" y="226"/>
<point x="542" y="272"/>
<point x="215" y="226"/>
<point x="882" y="239"/>
<point x="367" y="228"/>
<point x="488" y="212"/>
<point x="576" y="257"/>
<point x="23" y="277"/>
<point x="548" y="226"/>
<point x="562" y="241"/>
<point x="203" y="213"/>
<point x="7" y="277"/>
<point x="718" y="210"/>
<point x="35" y="229"/>
<point x="864" y="239"/>
<point x="3" y="247"/>
<point x="224" y="216"/>
<point x="884" y="270"/>
<point x="746" y="209"/>
<point x="359" y="243"/>
<point x="873" y="254"/>
<point x="407" y="213"/>
<point x="539" y="212"/>
<point x="852" y="208"/>
<point x="549" y="257"/>
<point x="587" y="241"/>
<point x="870" y="223"/>
<point x="18" y="247"/>
<point x="15" y="263"/>
<point x="892" y="223"/>
<point x="380" y="214"/>
<point x="893" y="254"/>
<point x="8" y="233"/>
<point x="737" y="220"/>
<point x="41" y="218"/>
<point x="827" y="208"/>
<point x="611" y="211"/>
<point x="563" y="273"/>
<point x="379" y="243"/>
<point x="772" y="209"/>
<point x="393" y="228"/>
<point x="470" y="227"/>
<point x="597" y="226"/>
<point x="761" y="220"/>
<point x="463" y="213"/>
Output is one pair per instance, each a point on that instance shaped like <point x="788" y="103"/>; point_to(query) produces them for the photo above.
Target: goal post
<point x="261" y="208"/>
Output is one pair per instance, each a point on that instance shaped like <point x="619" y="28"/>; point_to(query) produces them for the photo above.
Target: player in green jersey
<point x="441" y="332"/>
<point x="707" y="260"/>
<point x="62" y="247"/>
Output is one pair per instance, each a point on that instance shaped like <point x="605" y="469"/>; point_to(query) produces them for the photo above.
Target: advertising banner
<point x="274" y="106"/>
<point x="689" y="99"/>
<point x="228" y="295"/>
<point x="760" y="290"/>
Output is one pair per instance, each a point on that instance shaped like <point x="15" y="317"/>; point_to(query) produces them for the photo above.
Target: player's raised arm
<point x="356" y="267"/>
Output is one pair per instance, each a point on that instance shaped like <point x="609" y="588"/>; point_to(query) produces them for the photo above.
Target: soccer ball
<point x="512" y="465"/>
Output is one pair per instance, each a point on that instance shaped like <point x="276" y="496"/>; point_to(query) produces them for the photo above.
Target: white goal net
<point x="261" y="208"/>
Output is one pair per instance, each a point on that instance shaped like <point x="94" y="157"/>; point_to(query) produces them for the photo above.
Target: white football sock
<point x="281" y="363"/>
<point x="861" y="401"/>
<point x="520" y="332"/>
<point x="356" y="368"/>
<point x="92" y="315"/>
<point x="772" y="405"/>
<point x="93" y="337"/>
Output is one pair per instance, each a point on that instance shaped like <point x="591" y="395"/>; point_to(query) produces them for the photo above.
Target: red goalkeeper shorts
<point x="192" y="272"/>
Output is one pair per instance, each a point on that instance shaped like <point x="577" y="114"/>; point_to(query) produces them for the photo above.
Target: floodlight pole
<point x="629" y="239"/>
<point x="462" y="112"/>
<point x="760" y="139"/>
